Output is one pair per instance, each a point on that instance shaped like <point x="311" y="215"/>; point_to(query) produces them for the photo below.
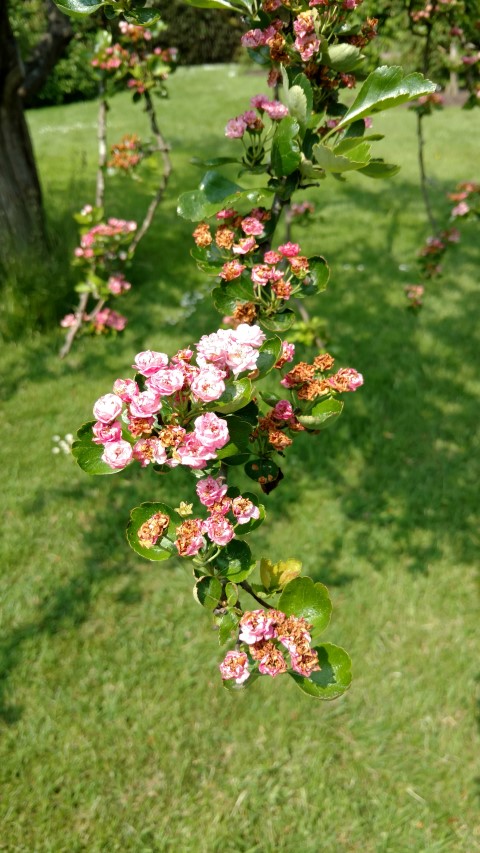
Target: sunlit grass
<point x="116" y="732"/>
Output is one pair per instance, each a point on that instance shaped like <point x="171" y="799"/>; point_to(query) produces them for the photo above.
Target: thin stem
<point x="70" y="336"/>
<point x="102" y="145"/>
<point x="164" y="149"/>
<point x="423" y="175"/>
<point x="246" y="586"/>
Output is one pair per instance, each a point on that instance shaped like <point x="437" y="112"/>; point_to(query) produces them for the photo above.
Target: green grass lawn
<point x="117" y="734"/>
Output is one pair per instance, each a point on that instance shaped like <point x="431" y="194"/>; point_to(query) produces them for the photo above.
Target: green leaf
<point x="89" y="455"/>
<point x="304" y="598"/>
<point x="79" y="7"/>
<point x="303" y="82"/>
<point x="297" y="104"/>
<point x="318" y="275"/>
<point x="329" y="161"/>
<point x="224" y="300"/>
<point x="216" y="187"/>
<point x="208" y="592"/>
<point x="237" y="6"/>
<point x="235" y="561"/>
<point x="262" y="469"/>
<point x="268" y="355"/>
<point x="142" y="17"/>
<point x="213" y="161"/>
<point x="343" y="57"/>
<point x="280" y="322"/>
<point x="384" y="88"/>
<point x="192" y="205"/>
<point x="322" y="415"/>
<point x="334" y="677"/>
<point x="227" y="625"/>
<point x="239" y="432"/>
<point x="380" y="169"/>
<point x="237" y="394"/>
<point x="231" y="594"/>
<point x="164" y="548"/>
<point x="285" y="155"/>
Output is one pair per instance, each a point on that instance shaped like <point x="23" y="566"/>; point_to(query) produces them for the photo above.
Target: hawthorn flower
<point x="208" y="384"/>
<point x="189" y="539"/>
<point x="289" y="250"/>
<point x="166" y="381"/>
<point x="283" y="410"/>
<point x="211" y="490"/>
<point x="219" y="529"/>
<point x="211" y="431"/>
<point x="149" y="362"/>
<point x="244" y="509"/>
<point x="251" y="226"/>
<point x="117" y="454"/>
<point x="235" y="665"/>
<point x="202" y="235"/>
<point x="232" y="269"/>
<point x="107" y="408"/>
<point x="148" y="450"/>
<point x="244" y="246"/>
<point x="145" y="404"/>
<point x="256" y="625"/>
<point x="151" y="530"/>
<point x="103" y="433"/>
<point x="235" y="128"/>
<point x="270" y="659"/>
<point x="126" y="389"/>
<point x="346" y="379"/>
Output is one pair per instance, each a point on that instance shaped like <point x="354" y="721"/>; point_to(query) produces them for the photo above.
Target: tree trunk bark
<point x="21" y="211"/>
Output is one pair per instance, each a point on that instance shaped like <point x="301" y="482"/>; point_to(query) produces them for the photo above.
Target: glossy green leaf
<point x="212" y="162"/>
<point x="280" y="322"/>
<point x="223" y="299"/>
<point x="142" y="17"/>
<point x="235" y="561"/>
<point x="322" y="415"/>
<point x="216" y="187"/>
<point x="262" y="470"/>
<point x="237" y="6"/>
<point x="164" y="548"/>
<point x="384" y="88"/>
<point x="297" y="104"/>
<point x="380" y="169"/>
<point x="318" y="275"/>
<point x="334" y="677"/>
<point x="268" y="355"/>
<point x="343" y="57"/>
<point x="231" y="594"/>
<point x="239" y="432"/>
<point x="303" y="82"/>
<point x="227" y="626"/>
<point x="311" y="601"/>
<point x="353" y="159"/>
<point x="285" y="154"/>
<point x="208" y="592"/>
<point x="89" y="455"/>
<point x="237" y="394"/>
<point x="79" y="7"/>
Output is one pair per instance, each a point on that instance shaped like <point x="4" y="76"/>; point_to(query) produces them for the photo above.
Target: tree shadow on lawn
<point x="106" y="557"/>
<point x="399" y="463"/>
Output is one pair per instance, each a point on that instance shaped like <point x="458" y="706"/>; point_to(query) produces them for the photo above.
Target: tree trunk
<point x="21" y="212"/>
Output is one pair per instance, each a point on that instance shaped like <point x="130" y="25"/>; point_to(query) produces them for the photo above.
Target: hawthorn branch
<point x="164" y="149"/>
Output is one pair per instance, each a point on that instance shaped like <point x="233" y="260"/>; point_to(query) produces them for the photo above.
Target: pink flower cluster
<point x="107" y="318"/>
<point x="250" y="121"/>
<point x="283" y="270"/>
<point x="117" y="284"/>
<point x="166" y="437"/>
<point x="217" y="527"/>
<point x="105" y="237"/>
<point x="262" y="631"/>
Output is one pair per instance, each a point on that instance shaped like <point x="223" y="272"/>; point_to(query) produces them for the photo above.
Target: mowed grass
<point x="116" y="732"/>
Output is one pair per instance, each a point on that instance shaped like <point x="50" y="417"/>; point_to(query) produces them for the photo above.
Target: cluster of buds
<point x="195" y="535"/>
<point x="126" y="154"/>
<point x="164" y="411"/>
<point x="98" y="322"/>
<point x="426" y="104"/>
<point x="433" y="250"/>
<point x="263" y="634"/>
<point x="297" y="37"/>
<point x="466" y="198"/>
<point x="106" y="240"/>
<point x="309" y="381"/>
<point x="276" y="275"/>
<point x="134" y="59"/>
